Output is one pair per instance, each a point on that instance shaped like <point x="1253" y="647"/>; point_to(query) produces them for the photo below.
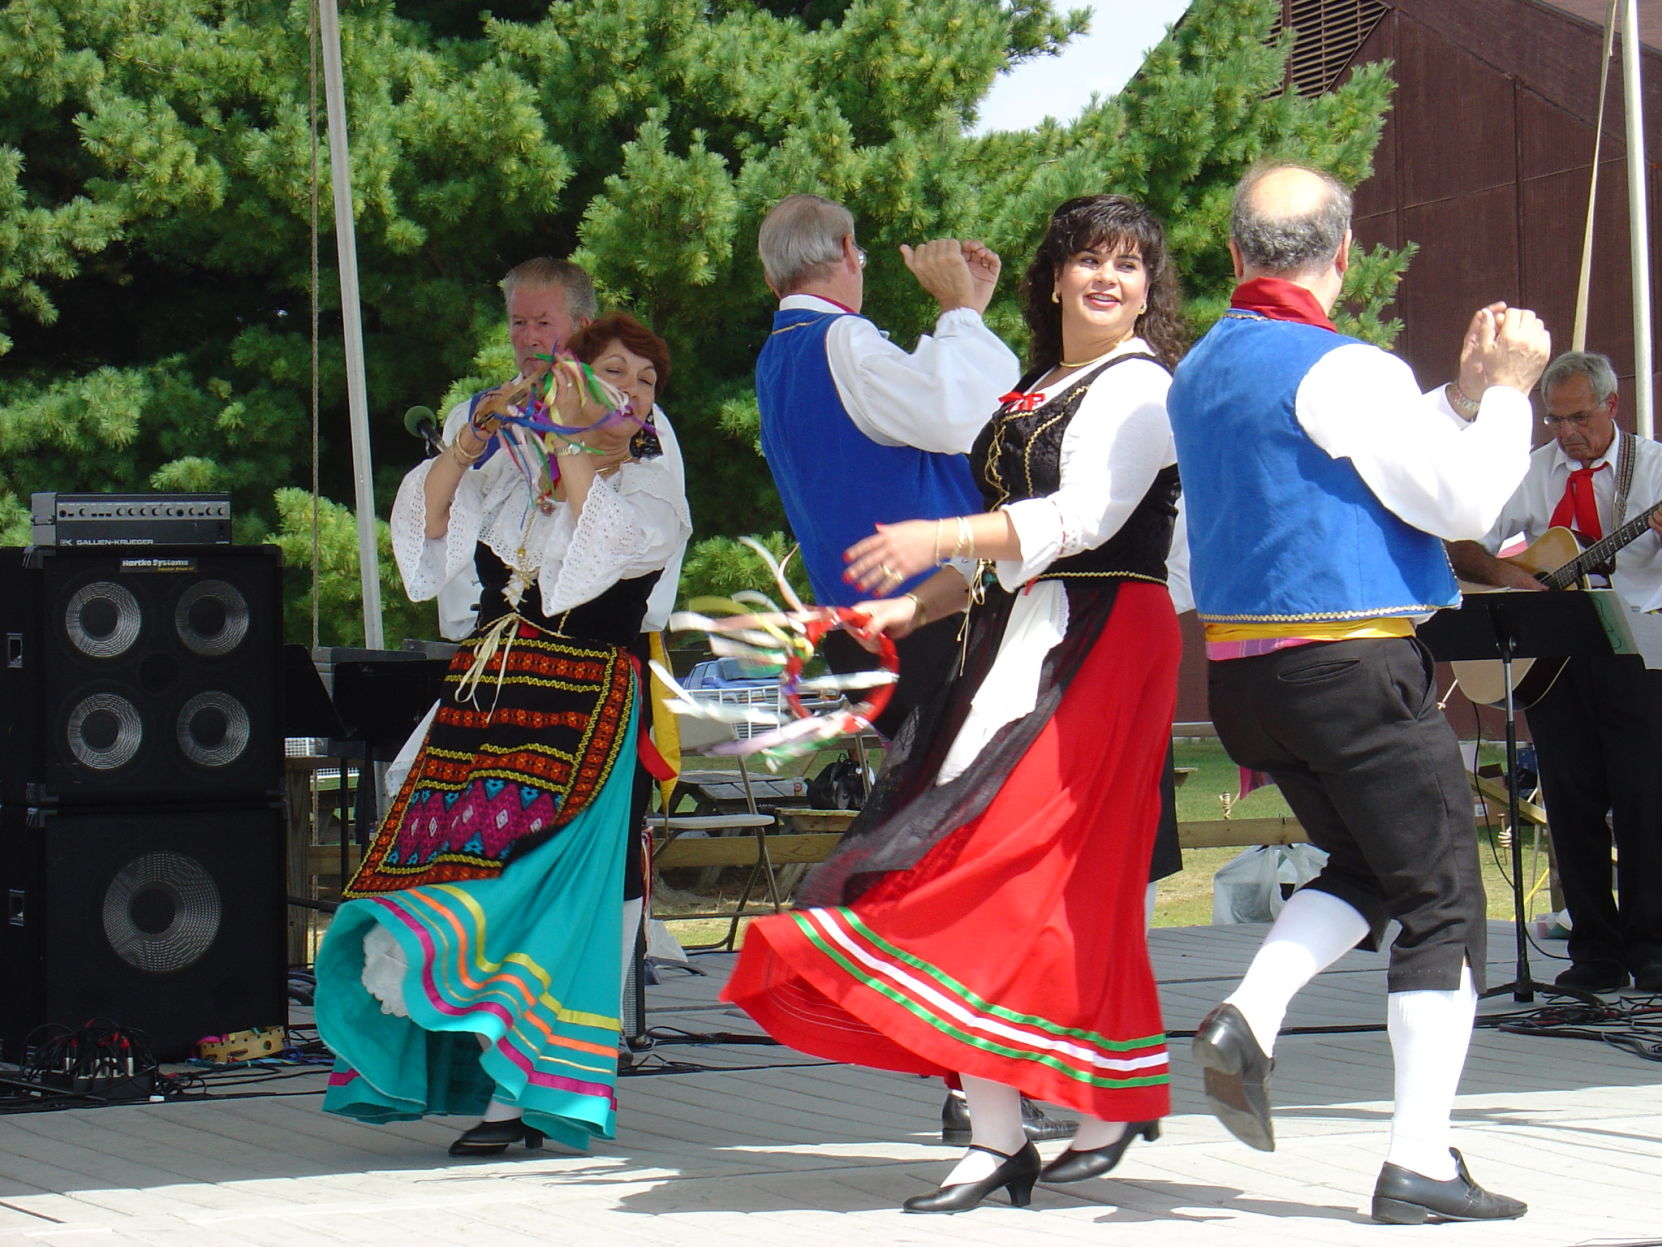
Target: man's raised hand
<point x="942" y="267"/>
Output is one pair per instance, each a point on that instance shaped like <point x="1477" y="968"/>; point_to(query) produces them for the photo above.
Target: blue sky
<point x="1122" y="32"/>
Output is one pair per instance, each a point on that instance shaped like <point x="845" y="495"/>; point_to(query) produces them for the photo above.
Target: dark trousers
<point x="1597" y="733"/>
<point x="1351" y="732"/>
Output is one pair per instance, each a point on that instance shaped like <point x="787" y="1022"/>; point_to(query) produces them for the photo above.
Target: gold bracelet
<point x="467" y="459"/>
<point x="965" y="547"/>
<point x="920" y="613"/>
<point x="938" y="559"/>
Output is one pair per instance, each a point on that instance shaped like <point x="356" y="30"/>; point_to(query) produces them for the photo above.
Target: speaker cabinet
<point x="169" y="923"/>
<point x="140" y="673"/>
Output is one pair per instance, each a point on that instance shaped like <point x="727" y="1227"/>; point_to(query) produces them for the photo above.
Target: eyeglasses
<point x="1577" y="418"/>
<point x="860" y="254"/>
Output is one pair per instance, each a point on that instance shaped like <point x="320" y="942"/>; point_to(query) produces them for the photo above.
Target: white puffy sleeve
<point x="632" y="523"/>
<point x="427" y="565"/>
<point x="1115" y="445"/>
<point x="1442" y="476"/>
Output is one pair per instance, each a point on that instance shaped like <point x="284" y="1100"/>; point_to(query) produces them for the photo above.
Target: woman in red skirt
<point x="984" y="917"/>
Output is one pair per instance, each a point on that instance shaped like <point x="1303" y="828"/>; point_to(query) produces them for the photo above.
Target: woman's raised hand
<point x="575" y="405"/>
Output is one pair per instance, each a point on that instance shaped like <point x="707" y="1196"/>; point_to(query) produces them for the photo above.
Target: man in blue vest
<point x="859" y="432"/>
<point x="1318" y="482"/>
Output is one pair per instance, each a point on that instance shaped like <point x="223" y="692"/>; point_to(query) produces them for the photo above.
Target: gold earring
<point x="1054" y="297"/>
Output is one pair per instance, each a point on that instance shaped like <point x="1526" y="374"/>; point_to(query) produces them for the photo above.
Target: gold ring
<point x="889" y="571"/>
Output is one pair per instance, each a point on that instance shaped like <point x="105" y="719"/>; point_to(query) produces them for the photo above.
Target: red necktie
<point x="1578" y="508"/>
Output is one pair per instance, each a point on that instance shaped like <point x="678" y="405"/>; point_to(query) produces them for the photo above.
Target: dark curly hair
<point x="1101" y="221"/>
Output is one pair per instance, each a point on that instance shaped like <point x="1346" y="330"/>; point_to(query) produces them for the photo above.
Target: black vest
<point x="613" y="618"/>
<point x="1019" y="455"/>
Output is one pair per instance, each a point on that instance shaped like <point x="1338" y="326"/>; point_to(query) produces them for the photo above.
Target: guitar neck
<point x="1600" y="551"/>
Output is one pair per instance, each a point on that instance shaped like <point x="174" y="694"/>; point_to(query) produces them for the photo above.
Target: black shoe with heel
<point x="490" y="1138"/>
<point x="1076" y="1166"/>
<point x="1017" y="1173"/>
<point x="1237" y="1074"/>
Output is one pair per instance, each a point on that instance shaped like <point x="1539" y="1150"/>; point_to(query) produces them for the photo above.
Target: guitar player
<point x="1598" y="728"/>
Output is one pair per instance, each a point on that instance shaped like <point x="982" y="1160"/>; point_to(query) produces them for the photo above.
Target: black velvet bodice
<point x="613" y="618"/>
<point x="1019" y="455"/>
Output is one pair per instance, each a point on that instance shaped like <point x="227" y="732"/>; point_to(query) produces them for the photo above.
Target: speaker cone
<point x="104" y="731"/>
<point x="103" y="619"/>
<point x="212" y="617"/>
<point x="213" y="729"/>
<point x="161" y="912"/>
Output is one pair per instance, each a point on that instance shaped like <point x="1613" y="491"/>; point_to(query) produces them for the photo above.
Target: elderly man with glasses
<point x="1597" y="729"/>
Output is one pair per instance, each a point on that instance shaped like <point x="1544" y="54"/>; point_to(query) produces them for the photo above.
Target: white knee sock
<point x="1430" y="1032"/>
<point x="995" y="1122"/>
<point x="1314" y="930"/>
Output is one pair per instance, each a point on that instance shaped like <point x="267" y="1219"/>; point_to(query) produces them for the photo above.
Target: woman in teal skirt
<point x="475" y="967"/>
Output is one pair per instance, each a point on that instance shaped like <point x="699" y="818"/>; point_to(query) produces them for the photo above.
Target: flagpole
<point x="1638" y="221"/>
<point x="346" y="250"/>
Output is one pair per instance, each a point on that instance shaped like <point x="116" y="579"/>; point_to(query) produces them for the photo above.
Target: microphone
<point x="422" y="423"/>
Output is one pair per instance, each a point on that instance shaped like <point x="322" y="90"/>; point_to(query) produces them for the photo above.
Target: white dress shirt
<point x="1429" y="467"/>
<point x="1638" y="573"/>
<point x="632" y="523"/>
<point x="935" y="398"/>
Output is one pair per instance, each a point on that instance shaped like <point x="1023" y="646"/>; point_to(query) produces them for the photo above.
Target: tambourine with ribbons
<point x="766" y="638"/>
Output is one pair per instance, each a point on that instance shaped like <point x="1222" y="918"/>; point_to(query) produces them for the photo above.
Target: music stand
<point x="1508" y="626"/>
<point x="381" y="700"/>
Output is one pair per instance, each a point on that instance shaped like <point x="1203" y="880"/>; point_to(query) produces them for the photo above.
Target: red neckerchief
<point x="1280" y="300"/>
<point x="834" y="303"/>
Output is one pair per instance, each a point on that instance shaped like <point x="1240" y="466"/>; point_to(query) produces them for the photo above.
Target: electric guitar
<point x="1559" y="562"/>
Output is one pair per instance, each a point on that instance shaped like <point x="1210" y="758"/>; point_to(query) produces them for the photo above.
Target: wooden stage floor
<point x="761" y="1144"/>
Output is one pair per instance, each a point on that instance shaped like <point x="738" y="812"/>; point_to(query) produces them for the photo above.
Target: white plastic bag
<point x="1247" y="888"/>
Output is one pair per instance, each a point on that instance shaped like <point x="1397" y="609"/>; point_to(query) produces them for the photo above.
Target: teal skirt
<point x="529" y="960"/>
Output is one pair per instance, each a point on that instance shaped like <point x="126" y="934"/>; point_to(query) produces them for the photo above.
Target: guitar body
<point x="1484" y="681"/>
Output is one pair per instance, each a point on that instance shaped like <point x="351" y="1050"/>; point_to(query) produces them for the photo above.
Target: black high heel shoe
<point x="1017" y="1174"/>
<point x="489" y="1138"/>
<point x="1072" y="1166"/>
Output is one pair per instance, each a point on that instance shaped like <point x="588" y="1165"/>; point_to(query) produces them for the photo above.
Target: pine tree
<point x="155" y="207"/>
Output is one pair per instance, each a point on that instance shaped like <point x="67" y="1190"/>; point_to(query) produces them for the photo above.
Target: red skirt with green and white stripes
<point x="1015" y="950"/>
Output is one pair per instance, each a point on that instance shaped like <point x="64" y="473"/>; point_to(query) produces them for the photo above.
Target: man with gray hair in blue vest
<point x="858" y="432"/>
<point x="1318" y="481"/>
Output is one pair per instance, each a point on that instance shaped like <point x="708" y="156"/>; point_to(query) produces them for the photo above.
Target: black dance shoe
<point x="1237" y="1076"/>
<point x="1039" y="1126"/>
<point x="1017" y="1173"/>
<point x="1403" y="1197"/>
<point x="489" y="1138"/>
<point x="1072" y="1166"/>
<point x="1601" y="976"/>
<point x="1647" y="976"/>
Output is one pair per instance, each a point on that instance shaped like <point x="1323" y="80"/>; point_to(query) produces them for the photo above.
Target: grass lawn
<point x="1184" y="899"/>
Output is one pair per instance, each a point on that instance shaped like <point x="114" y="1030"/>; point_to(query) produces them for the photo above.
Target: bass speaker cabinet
<point x="140" y="673"/>
<point x="169" y="923"/>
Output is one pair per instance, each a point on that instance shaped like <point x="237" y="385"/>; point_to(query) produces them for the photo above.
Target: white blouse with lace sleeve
<point x="631" y="524"/>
